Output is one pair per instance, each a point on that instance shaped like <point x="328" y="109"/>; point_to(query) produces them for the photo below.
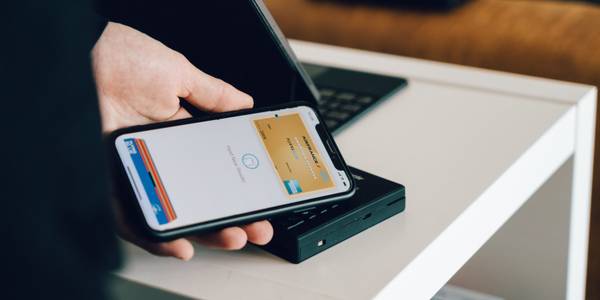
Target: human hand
<point x="139" y="81"/>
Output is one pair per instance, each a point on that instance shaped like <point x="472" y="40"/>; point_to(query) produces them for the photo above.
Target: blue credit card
<point x="161" y="206"/>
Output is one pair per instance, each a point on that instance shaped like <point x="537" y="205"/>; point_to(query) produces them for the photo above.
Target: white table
<point x="472" y="147"/>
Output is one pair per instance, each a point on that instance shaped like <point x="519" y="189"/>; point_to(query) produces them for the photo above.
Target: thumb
<point x="180" y="114"/>
<point x="212" y="94"/>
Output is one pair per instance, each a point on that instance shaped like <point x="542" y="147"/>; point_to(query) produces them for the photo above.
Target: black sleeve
<point x="100" y="22"/>
<point x="58" y="232"/>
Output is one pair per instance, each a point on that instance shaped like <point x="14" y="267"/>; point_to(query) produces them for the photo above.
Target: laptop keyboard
<point x="338" y="107"/>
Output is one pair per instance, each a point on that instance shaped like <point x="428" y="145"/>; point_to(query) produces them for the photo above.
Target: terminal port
<point x="367" y="216"/>
<point x="321" y="243"/>
<point x="393" y="202"/>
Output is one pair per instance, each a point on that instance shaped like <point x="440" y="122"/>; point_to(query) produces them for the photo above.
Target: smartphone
<point x="202" y="174"/>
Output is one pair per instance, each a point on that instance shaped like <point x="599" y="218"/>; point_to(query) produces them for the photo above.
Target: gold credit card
<point x="293" y="153"/>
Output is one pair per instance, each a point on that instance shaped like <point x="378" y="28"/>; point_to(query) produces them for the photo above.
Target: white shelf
<point x="471" y="146"/>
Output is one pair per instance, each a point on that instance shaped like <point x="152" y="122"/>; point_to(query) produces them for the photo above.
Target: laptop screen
<point x="230" y="40"/>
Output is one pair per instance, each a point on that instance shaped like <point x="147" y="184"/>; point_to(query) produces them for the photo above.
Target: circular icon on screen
<point x="250" y="161"/>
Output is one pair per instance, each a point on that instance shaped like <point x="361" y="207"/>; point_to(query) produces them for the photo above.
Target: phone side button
<point x="330" y="146"/>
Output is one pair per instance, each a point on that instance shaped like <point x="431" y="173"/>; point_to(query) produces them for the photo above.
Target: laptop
<point x="239" y="42"/>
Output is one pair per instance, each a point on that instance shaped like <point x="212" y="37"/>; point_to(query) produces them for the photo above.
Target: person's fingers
<point x="232" y="238"/>
<point x="211" y="94"/>
<point x="180" y="248"/>
<point x="259" y="233"/>
<point x="180" y="114"/>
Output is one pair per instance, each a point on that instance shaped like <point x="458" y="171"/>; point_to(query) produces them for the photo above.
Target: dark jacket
<point x="58" y="236"/>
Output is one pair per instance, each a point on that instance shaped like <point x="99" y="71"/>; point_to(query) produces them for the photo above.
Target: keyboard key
<point x="338" y="106"/>
<point x="340" y="116"/>
<point x="295" y="224"/>
<point x="346" y="96"/>
<point x="305" y="209"/>
<point x="351" y="107"/>
<point x="333" y="105"/>
<point x="331" y="123"/>
<point x="288" y="222"/>
<point x="365" y="100"/>
<point x="293" y="218"/>
<point x="326" y="92"/>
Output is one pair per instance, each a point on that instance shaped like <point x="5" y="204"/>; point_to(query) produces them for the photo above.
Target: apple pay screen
<point x="193" y="173"/>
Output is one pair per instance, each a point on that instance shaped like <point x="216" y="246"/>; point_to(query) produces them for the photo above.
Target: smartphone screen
<point x="197" y="172"/>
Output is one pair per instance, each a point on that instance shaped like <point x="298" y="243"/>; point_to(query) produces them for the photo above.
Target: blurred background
<point x="552" y="39"/>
